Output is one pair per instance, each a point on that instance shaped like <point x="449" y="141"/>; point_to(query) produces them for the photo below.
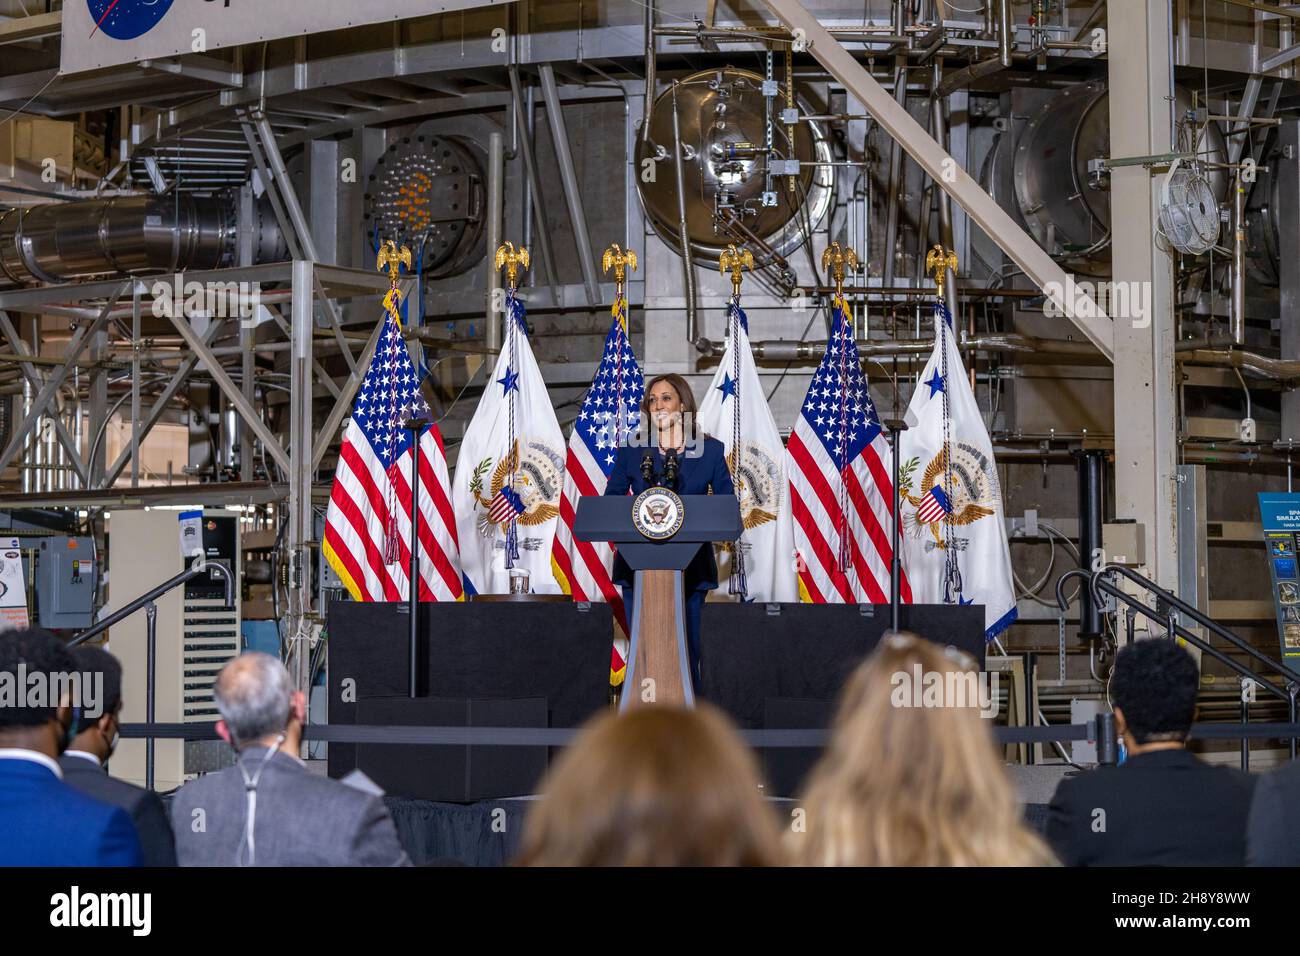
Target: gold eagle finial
<point x="392" y="259"/>
<point x="938" y="261"/>
<point x="618" y="260"/>
<point x="514" y="260"/>
<point x="735" y="258"/>
<point x="835" y="259"/>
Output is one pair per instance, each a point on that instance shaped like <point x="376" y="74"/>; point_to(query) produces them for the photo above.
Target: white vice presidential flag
<point x="736" y="413"/>
<point x="510" y="473"/>
<point x="954" y="543"/>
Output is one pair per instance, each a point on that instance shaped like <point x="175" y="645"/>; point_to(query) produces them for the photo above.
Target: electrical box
<point x="65" y="583"/>
<point x="1124" y="542"/>
<point x="196" y="636"/>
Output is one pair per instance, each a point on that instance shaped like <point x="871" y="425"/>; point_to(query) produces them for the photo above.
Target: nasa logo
<point x="126" y="19"/>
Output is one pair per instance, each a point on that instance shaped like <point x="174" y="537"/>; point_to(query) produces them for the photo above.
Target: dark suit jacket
<point x="145" y="807"/>
<point x="45" y="822"/>
<point x="1273" y="829"/>
<point x="1165" y="808"/>
<point x="302" y="819"/>
<point x="696" y="476"/>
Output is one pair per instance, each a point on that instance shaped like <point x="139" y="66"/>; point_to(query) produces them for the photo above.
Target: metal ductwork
<point x="126" y="235"/>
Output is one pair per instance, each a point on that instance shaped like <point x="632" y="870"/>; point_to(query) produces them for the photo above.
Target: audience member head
<point x="907" y="785"/>
<point x="258" y="705"/>
<point x="658" y="786"/>
<point x="97" y="734"/>
<point x="1153" y="692"/>
<point x="36" y="692"/>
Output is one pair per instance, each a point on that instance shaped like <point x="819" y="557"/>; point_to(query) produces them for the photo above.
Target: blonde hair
<point x="658" y="786"/>
<point x="907" y="785"/>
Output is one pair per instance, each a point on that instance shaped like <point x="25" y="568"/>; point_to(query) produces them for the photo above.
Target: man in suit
<point x="44" y="821"/>
<point x="669" y="408"/>
<point x="1161" y="806"/>
<point x="83" y="762"/>
<point x="269" y="809"/>
<point x="1273" y="828"/>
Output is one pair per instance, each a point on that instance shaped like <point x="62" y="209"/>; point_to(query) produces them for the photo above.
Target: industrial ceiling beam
<point x="76" y="345"/>
<point x="948" y="174"/>
<point x="232" y="391"/>
<point x="160" y="404"/>
<point x="22" y="348"/>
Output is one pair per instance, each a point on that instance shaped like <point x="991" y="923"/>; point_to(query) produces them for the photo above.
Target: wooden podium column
<point x="659" y="671"/>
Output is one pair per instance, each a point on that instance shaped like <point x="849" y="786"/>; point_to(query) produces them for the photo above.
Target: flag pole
<point x="416" y="427"/>
<point x="392" y="258"/>
<point x="896" y="428"/>
<point x="734" y="259"/>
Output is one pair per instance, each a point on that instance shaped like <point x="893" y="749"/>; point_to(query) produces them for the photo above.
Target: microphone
<point x="670" y="469"/>
<point x="648" y="468"/>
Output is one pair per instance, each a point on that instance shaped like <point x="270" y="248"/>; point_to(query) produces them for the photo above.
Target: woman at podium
<point x="668" y="408"/>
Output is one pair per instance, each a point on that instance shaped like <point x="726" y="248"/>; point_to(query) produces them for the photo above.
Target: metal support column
<point x="301" y="526"/>
<point x="496" y="213"/>
<point x="1288" y="192"/>
<point x="1146" y="411"/>
<point x="569" y="179"/>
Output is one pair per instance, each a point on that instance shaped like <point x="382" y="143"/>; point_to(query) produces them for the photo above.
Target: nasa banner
<point x="954" y="539"/>
<point x="100" y="33"/>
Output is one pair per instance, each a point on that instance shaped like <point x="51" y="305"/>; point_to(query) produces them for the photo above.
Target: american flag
<point x="368" y="525"/>
<point x="933" y="506"/>
<point x="609" y="413"/>
<point x="841" y="492"/>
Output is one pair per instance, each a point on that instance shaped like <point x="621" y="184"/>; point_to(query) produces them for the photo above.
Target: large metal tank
<point x="1063" y="204"/>
<point x="722" y="118"/>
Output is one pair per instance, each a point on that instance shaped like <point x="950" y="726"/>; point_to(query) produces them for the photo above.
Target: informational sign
<point x="100" y="33"/>
<point x="13" y="587"/>
<point x="191" y="527"/>
<point x="1280" y="515"/>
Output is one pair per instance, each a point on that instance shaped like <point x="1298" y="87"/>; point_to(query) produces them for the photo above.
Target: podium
<point x="658" y="668"/>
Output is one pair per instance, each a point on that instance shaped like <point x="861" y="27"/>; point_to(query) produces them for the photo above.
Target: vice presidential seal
<point x="657" y="513"/>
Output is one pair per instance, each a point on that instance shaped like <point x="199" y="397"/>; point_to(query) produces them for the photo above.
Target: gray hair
<point x="253" y="696"/>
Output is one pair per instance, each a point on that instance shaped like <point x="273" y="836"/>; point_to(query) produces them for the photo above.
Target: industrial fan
<point x="1189" y="213"/>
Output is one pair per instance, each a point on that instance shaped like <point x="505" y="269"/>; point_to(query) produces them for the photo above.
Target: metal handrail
<point x="146" y="601"/>
<point x="1171" y="606"/>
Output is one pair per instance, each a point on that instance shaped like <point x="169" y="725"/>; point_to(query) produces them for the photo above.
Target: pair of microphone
<point x="672" y="465"/>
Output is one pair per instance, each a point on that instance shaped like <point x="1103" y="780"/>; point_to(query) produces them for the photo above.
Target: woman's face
<point x="665" y="404"/>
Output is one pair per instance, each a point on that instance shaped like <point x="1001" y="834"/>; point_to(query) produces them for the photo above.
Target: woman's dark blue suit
<point x="696" y="476"/>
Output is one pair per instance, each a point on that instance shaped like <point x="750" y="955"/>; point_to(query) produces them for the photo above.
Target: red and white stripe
<point x="584" y="567"/>
<point x="358" y="516"/>
<point x="815" y="497"/>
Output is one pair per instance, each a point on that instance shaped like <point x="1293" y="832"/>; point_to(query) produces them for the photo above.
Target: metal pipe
<point x="650" y="70"/>
<point x="1092" y="497"/>
<point x="127" y="234"/>
<point x="569" y="180"/>
<point x="688" y="266"/>
<point x="895" y="177"/>
<point x="1006" y="33"/>
<point x="939" y="129"/>
<point x="788" y="350"/>
<point x="535" y="198"/>
<point x="1238" y="261"/>
<point x="495" y="226"/>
